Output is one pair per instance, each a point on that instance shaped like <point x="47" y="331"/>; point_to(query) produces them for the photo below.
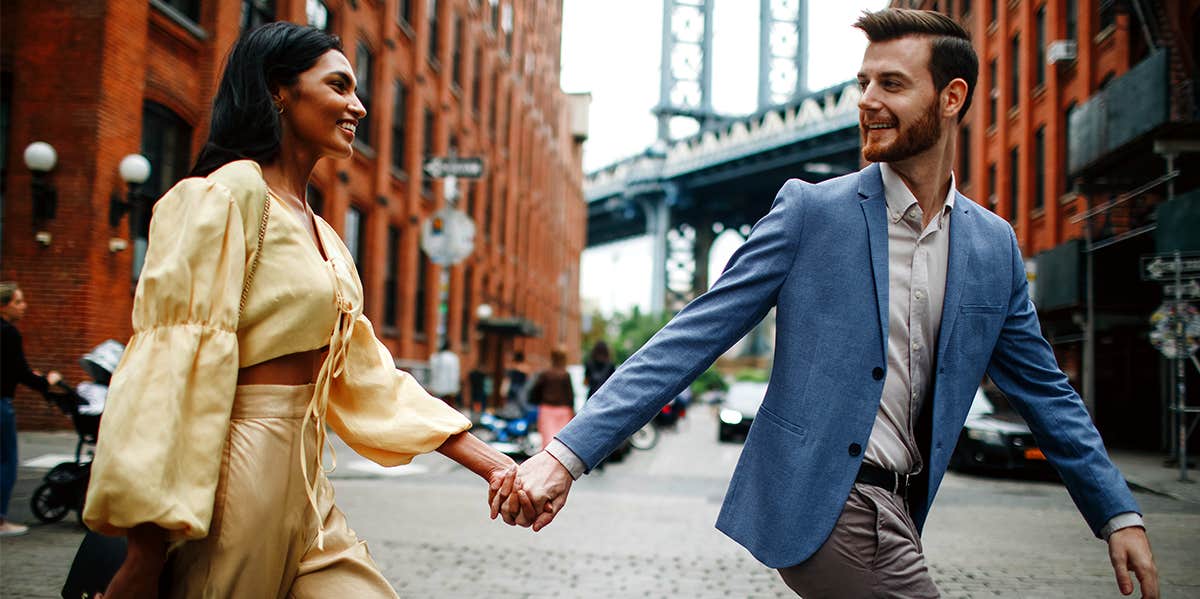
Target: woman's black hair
<point x="245" y="121"/>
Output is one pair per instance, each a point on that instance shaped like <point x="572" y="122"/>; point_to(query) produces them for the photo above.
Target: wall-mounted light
<point x="134" y="170"/>
<point x="41" y="158"/>
<point x="483" y="312"/>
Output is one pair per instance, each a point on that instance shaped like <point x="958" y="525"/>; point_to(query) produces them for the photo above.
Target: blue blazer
<point x="820" y="256"/>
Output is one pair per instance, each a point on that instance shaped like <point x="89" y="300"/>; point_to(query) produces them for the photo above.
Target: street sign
<point x="1175" y="330"/>
<point x="1161" y="267"/>
<point x="1187" y="291"/>
<point x="448" y="236"/>
<point x="469" y="167"/>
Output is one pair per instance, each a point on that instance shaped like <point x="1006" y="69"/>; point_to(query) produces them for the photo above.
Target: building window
<point x="466" y="308"/>
<point x="1108" y="13"/>
<point x="991" y="197"/>
<point x="1014" y="182"/>
<point x="476" y="76"/>
<point x="950" y="7"/>
<point x="5" y="126"/>
<point x="256" y="13"/>
<point x="1072" y="18"/>
<point x="964" y="157"/>
<point x="420" y="296"/>
<point x="456" y="45"/>
<point x="1067" y="147"/>
<point x="187" y="8"/>
<point x="1041" y="46"/>
<point x="1039" y="168"/>
<point x="427" y="150"/>
<point x="363" y="68"/>
<point x="166" y="143"/>
<point x="318" y="14"/>
<point x="506" y="24"/>
<point x="966" y="7"/>
<point x="398" y="111"/>
<point x="995" y="12"/>
<point x="405" y="11"/>
<point x="994" y="94"/>
<point x="1014" y="88"/>
<point x="355" y="235"/>
<point x="391" y="283"/>
<point x="495" y="16"/>
<point x="431" y="15"/>
<point x="316" y="200"/>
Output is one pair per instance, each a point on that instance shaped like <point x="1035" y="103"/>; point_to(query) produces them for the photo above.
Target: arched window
<point x="166" y="143"/>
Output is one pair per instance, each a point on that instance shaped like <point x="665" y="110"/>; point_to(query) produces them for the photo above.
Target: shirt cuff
<point x="571" y="462"/>
<point x="1123" y="520"/>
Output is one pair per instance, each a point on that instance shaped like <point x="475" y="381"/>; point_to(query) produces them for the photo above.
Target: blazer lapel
<point x="957" y="268"/>
<point x="874" y="205"/>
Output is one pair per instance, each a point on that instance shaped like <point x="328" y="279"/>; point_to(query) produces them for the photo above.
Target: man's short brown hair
<point x="8" y="290"/>
<point x="952" y="57"/>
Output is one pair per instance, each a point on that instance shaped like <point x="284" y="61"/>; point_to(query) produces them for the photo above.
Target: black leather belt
<point x="885" y="479"/>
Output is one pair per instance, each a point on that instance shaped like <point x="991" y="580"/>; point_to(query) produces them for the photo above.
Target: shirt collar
<point x="900" y="199"/>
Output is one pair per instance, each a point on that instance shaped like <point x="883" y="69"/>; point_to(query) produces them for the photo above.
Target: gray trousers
<point x="873" y="551"/>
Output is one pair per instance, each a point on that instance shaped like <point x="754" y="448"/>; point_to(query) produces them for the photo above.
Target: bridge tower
<point x="681" y="249"/>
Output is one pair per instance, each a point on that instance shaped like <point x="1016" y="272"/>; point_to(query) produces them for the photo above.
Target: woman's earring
<point x="279" y="108"/>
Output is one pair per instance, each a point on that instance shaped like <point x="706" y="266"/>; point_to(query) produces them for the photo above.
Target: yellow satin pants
<point x="262" y="542"/>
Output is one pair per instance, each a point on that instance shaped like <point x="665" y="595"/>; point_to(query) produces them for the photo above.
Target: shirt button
<point x="916" y="346"/>
<point x="854" y="449"/>
<point x="877" y="373"/>
<point x="915" y="395"/>
<point x="919" y="295"/>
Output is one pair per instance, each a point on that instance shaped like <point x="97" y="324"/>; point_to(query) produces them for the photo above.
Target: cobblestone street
<point x="644" y="528"/>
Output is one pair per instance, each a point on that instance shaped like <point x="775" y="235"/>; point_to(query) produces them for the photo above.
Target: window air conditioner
<point x="1061" y="51"/>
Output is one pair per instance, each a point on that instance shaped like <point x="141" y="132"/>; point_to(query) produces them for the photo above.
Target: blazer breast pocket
<point x="977" y="328"/>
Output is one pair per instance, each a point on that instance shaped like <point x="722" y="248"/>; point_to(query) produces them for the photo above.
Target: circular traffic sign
<point x="448" y="236"/>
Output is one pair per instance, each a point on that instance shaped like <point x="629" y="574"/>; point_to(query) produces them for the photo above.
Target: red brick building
<point x="101" y="79"/>
<point x="1078" y="105"/>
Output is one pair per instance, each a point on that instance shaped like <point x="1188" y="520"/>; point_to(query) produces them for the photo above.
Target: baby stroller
<point x="64" y="488"/>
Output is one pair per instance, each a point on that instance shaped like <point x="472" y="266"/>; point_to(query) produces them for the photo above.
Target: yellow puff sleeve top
<point x="196" y="321"/>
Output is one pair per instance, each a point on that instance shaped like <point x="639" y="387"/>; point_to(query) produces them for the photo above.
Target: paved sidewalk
<point x="1146" y="470"/>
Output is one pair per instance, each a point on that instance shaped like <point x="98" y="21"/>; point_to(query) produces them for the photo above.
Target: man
<point x="444" y="375"/>
<point x="895" y="295"/>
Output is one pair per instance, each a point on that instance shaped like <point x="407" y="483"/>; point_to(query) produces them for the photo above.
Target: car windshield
<point x="981" y="405"/>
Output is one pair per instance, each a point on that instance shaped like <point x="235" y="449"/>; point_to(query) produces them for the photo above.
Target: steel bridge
<point x="682" y="192"/>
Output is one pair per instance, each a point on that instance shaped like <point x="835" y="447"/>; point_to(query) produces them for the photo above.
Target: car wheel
<point x="645" y="438"/>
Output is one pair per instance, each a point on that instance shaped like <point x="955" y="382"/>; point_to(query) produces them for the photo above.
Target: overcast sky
<point x="611" y="49"/>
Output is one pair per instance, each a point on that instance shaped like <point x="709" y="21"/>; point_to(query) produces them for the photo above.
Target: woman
<point x="598" y="368"/>
<point x="248" y="340"/>
<point x="13" y="370"/>
<point x="555" y="397"/>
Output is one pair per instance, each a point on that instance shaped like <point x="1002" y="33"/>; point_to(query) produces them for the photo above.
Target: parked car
<point x="738" y="408"/>
<point x="995" y="437"/>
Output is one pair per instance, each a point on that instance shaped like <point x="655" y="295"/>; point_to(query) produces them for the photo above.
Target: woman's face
<point x="15" y="309"/>
<point x="321" y="111"/>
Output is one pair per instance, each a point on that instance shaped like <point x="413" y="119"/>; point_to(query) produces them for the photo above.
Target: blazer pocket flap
<point x="981" y="309"/>
<point x="781" y="422"/>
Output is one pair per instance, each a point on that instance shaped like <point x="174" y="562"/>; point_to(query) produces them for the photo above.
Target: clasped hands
<point x="532" y="494"/>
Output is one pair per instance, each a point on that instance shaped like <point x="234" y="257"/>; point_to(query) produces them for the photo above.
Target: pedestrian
<point x="554" y="396"/>
<point x="598" y="368"/>
<point x="894" y="295"/>
<point x="445" y="381"/>
<point x="13" y="370"/>
<point x="516" y="378"/>
<point x="249" y="339"/>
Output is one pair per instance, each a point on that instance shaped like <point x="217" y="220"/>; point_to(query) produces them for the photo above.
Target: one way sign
<point x="453" y="166"/>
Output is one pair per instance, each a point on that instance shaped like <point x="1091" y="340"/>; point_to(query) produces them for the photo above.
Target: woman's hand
<point x="499" y="470"/>
<point x="144" y="560"/>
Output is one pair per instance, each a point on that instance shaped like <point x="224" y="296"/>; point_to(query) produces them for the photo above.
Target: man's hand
<point x="1129" y="549"/>
<point x="547" y="483"/>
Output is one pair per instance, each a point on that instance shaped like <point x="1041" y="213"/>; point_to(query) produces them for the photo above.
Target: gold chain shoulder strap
<point x="262" y="233"/>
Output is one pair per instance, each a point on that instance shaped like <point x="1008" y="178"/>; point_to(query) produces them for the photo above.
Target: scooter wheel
<point x="645" y="437"/>
<point x="48" y="505"/>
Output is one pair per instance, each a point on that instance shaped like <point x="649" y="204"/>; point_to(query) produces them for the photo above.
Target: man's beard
<point x="909" y="142"/>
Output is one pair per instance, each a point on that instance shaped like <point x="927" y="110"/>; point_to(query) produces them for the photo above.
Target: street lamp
<point x="483" y="312"/>
<point x="40" y="158"/>
<point x="134" y="170"/>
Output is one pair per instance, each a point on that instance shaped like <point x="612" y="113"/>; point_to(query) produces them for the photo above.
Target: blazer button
<point x="877" y="373"/>
<point x="855" y="449"/>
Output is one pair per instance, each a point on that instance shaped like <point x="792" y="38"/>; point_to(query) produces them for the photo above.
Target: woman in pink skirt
<point x="554" y="395"/>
